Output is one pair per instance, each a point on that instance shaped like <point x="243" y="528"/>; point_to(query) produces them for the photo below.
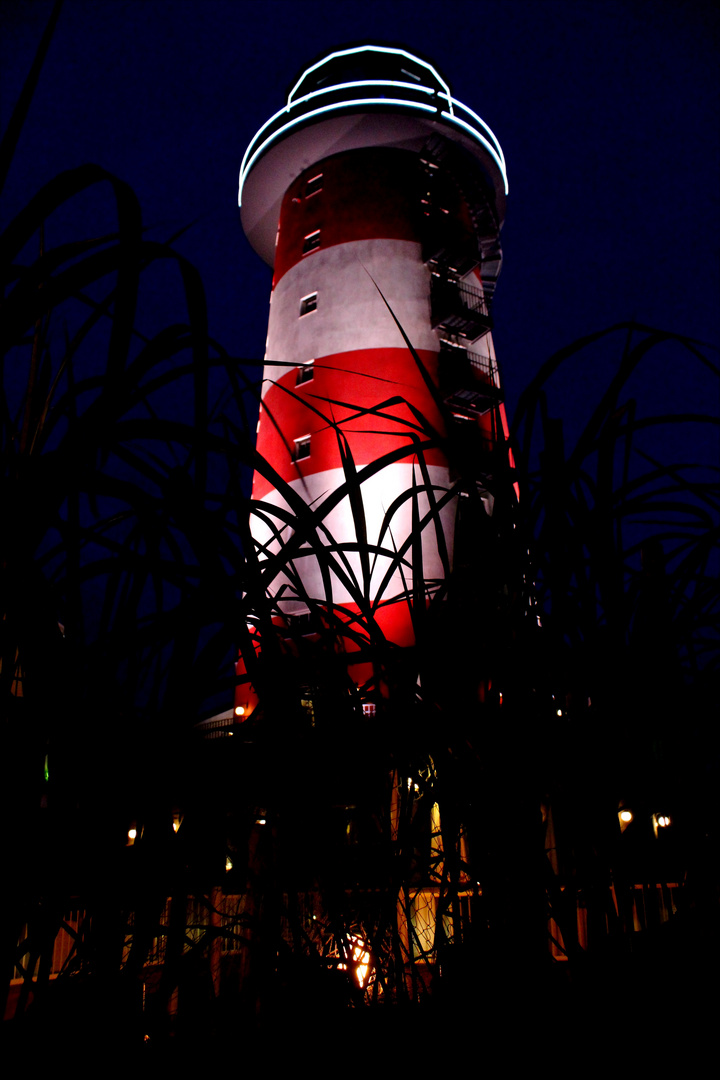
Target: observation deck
<point x="369" y="95"/>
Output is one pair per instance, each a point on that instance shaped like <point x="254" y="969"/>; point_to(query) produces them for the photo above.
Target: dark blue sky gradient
<point x="607" y="114"/>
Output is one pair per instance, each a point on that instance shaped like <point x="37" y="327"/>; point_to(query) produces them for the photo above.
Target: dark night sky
<point x="607" y="114"/>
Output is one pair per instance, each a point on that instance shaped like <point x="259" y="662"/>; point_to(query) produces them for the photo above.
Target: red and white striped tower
<point x="377" y="199"/>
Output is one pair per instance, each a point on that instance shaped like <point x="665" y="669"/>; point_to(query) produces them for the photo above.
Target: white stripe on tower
<point x="351" y="314"/>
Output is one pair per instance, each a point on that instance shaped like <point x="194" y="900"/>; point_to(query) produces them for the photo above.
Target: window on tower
<point x="311" y="242"/>
<point x="314" y="185"/>
<point x="308" y="304"/>
<point x="305" y="373"/>
<point x="302" y="448"/>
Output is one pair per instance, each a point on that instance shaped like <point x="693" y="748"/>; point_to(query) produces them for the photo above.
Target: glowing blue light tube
<point x="325" y="90"/>
<point x="248" y="164"/>
<point x="459" y="105"/>
<point x="488" y="146"/>
<point x="370" y="48"/>
<point x="361" y="82"/>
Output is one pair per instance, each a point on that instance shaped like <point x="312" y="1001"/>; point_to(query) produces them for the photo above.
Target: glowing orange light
<point x="239" y="710"/>
<point x="626" y="815"/>
<point x="361" y="957"/>
<point x="132" y="833"/>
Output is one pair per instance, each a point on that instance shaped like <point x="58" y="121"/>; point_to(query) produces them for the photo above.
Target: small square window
<point x="311" y="242"/>
<point x="302" y="448"/>
<point x="308" y="304"/>
<point x="314" y="185"/>
<point x="305" y="373"/>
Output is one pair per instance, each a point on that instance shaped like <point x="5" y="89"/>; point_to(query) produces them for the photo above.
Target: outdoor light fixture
<point x="660" y="821"/>
<point x="239" y="710"/>
<point x="132" y="833"/>
<point x="625" y="816"/>
<point x="228" y="863"/>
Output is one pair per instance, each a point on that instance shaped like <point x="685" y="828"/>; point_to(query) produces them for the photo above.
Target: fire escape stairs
<point x="440" y="152"/>
<point x="457" y="308"/>
<point x="469" y="382"/>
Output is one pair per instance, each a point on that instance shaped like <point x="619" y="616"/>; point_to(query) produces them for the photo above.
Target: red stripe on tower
<point x="377" y="201"/>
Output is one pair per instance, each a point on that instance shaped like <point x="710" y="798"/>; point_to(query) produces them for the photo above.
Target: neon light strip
<point x="282" y="112"/>
<point x="246" y="166"/>
<point x="370" y="48"/>
<point x="494" y="150"/>
<point x="363" y="82"/>
<point x="488" y="146"/>
<point x="459" y="105"/>
<point x="258" y="133"/>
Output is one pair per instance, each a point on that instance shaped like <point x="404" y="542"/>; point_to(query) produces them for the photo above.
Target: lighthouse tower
<point x="377" y="199"/>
